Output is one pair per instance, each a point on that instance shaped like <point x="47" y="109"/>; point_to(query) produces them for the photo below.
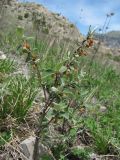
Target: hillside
<point x="38" y="20"/>
<point x="111" y="39"/>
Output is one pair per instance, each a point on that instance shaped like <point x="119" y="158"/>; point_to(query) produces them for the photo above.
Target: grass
<point x="98" y="130"/>
<point x="7" y="66"/>
<point x="17" y="96"/>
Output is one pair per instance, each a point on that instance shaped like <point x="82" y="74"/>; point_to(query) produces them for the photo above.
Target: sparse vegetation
<point x="76" y="114"/>
<point x="71" y="86"/>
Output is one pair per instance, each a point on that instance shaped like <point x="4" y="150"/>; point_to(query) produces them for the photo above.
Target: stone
<point x="103" y="109"/>
<point x="2" y="55"/>
<point x="93" y="156"/>
<point x="2" y="156"/>
<point x="94" y="100"/>
<point x="27" y="148"/>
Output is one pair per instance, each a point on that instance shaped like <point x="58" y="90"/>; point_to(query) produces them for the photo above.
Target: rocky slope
<point x="111" y="39"/>
<point x="36" y="19"/>
<point x="109" y="50"/>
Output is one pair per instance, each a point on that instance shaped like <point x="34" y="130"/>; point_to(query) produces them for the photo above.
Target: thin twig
<point x="40" y="127"/>
<point x="14" y="148"/>
<point x="101" y="156"/>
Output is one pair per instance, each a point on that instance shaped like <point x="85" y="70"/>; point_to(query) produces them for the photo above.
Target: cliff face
<point x="38" y="20"/>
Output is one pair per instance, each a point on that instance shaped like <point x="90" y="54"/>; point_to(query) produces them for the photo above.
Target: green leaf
<point x="54" y="89"/>
<point x="65" y="115"/>
<point x="62" y="69"/>
<point x="50" y="114"/>
<point x="59" y="107"/>
<point x="30" y="38"/>
<point x="46" y="157"/>
<point x="4" y="137"/>
<point x="20" y="30"/>
<point x="73" y="131"/>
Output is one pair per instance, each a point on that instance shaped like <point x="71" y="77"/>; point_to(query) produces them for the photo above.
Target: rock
<point x="93" y="156"/>
<point x="2" y="156"/>
<point x="27" y="148"/>
<point x="103" y="109"/>
<point x="2" y="55"/>
<point x="94" y="100"/>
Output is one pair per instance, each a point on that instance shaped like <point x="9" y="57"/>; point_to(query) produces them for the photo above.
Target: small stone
<point x="94" y="100"/>
<point x="80" y="147"/>
<point x="103" y="109"/>
<point x="2" y="55"/>
<point x="93" y="156"/>
<point x="27" y="148"/>
<point x="3" y="157"/>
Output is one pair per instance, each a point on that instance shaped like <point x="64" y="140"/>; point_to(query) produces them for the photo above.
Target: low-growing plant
<point x="26" y="15"/>
<point x="81" y="153"/>
<point x="4" y="137"/>
<point x="16" y="97"/>
<point x="20" y="17"/>
<point x="7" y="66"/>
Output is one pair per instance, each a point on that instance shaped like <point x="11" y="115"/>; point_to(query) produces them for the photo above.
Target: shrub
<point x="20" y="17"/>
<point x="26" y="15"/>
